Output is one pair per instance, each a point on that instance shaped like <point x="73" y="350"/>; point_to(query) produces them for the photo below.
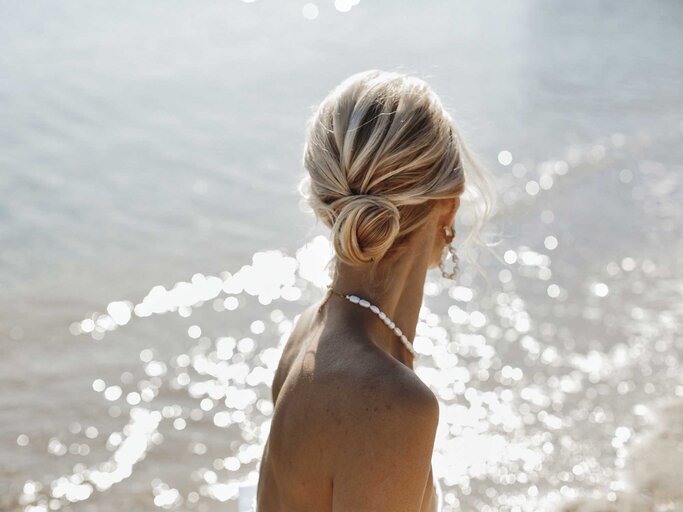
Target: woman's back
<point x="333" y="403"/>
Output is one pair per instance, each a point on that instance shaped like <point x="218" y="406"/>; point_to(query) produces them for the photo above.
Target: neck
<point x="396" y="287"/>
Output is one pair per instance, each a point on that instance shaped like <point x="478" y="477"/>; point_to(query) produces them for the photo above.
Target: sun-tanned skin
<point x="353" y="426"/>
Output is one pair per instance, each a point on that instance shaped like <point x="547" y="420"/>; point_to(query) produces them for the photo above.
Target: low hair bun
<point x="365" y="227"/>
<point x="381" y="142"/>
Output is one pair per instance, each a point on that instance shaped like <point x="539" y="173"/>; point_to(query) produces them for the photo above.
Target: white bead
<point x="390" y="323"/>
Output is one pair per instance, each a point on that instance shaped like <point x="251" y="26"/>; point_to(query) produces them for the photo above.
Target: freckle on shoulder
<point x="400" y="391"/>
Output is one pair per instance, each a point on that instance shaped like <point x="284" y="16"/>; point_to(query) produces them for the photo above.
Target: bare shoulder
<point x="395" y="390"/>
<point x="387" y="442"/>
<point x="291" y="350"/>
<point x="396" y="382"/>
<point x="377" y="383"/>
<point x="301" y="326"/>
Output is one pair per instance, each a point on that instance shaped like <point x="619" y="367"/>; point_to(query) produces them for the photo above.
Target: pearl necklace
<point x="390" y="323"/>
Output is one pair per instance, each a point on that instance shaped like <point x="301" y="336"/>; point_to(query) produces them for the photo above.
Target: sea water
<point x="155" y="254"/>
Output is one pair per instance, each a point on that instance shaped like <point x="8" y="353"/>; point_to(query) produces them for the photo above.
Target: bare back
<point x="326" y="395"/>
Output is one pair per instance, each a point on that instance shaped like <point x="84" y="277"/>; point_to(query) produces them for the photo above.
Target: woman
<point x="353" y="426"/>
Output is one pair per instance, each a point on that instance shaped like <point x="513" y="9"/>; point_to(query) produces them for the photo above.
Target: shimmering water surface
<point x="155" y="256"/>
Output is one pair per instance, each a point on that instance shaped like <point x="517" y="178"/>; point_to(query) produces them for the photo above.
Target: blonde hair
<point x="380" y="151"/>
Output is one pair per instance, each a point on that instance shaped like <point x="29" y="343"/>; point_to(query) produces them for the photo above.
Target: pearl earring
<point x="449" y="234"/>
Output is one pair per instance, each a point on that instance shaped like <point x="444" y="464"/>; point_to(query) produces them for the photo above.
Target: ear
<point x="450" y="207"/>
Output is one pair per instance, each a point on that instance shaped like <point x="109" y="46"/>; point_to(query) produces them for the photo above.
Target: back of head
<point x="379" y="151"/>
